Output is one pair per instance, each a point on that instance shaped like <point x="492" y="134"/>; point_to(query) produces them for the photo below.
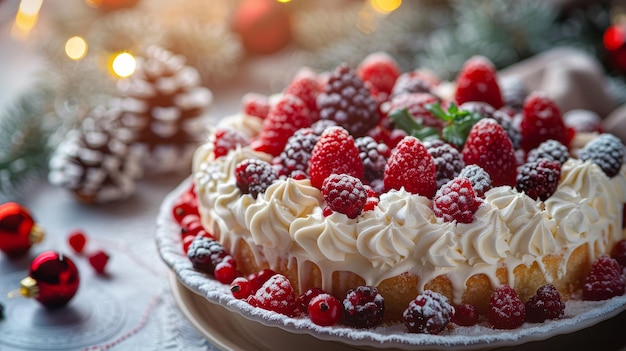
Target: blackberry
<point x="374" y="156"/>
<point x="254" y="176"/>
<point x="205" y="253"/>
<point x="482" y="108"/>
<point x="510" y="127"/>
<point x="480" y="179"/>
<point x="549" y="149"/>
<point x="583" y="120"/>
<point x="514" y="92"/>
<point x="428" y="313"/>
<point x="545" y="304"/>
<point x="448" y="159"/>
<point x="344" y="194"/>
<point x="347" y="101"/>
<point x="363" y="307"/>
<point x="321" y="125"/>
<point x="297" y="152"/>
<point x="606" y="151"/>
<point x="539" y="179"/>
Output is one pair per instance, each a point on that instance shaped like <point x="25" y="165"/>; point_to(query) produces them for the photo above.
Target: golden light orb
<point x="124" y="64"/>
<point x="76" y="48"/>
<point x="385" y="6"/>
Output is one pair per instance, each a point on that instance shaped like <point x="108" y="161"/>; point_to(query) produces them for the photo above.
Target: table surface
<point x="131" y="307"/>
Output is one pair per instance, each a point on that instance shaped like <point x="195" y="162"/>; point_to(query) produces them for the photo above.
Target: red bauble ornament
<point x="53" y="280"/>
<point x="264" y="25"/>
<point x="18" y="230"/>
<point x="614" y="42"/>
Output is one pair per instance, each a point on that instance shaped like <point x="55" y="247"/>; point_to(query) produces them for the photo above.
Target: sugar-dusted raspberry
<point x="302" y="301"/>
<point x="227" y="139"/>
<point x="297" y="152"/>
<point x="456" y="201"/>
<point x="374" y="156"/>
<point x="325" y="310"/>
<point x="607" y="151"/>
<point x="276" y="294"/>
<point x="344" y="194"/>
<point x="465" y="315"/>
<point x="334" y="152"/>
<point x="448" y="160"/>
<point x="205" y="253"/>
<point x="539" y="179"/>
<point x="506" y="309"/>
<point x="380" y="70"/>
<point x="545" y="304"/>
<point x="241" y="288"/>
<point x="549" y="149"/>
<point x="372" y="197"/>
<point x="363" y="307"/>
<point x="477" y="81"/>
<point x="254" y="104"/>
<point x="306" y="86"/>
<point x="619" y="251"/>
<point x="428" y="313"/>
<point x="254" y="176"/>
<point x="541" y="120"/>
<point x="257" y="279"/>
<point x="503" y="119"/>
<point x="481" y="182"/>
<point x="411" y="166"/>
<point x="347" y="101"/>
<point x="605" y="280"/>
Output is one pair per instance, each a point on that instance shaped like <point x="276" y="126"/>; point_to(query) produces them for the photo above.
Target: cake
<point x="454" y="191"/>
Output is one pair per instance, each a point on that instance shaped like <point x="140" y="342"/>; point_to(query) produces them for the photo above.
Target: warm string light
<point x="26" y="18"/>
<point x="123" y="64"/>
<point x="373" y="11"/>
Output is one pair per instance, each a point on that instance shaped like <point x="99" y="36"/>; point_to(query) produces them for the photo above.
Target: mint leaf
<point x="460" y="122"/>
<point x="405" y="121"/>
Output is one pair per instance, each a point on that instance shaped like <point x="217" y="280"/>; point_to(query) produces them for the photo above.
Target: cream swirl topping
<point x="486" y="239"/>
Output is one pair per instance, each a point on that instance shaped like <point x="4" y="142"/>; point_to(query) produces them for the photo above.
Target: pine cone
<point x="163" y="105"/>
<point x="96" y="161"/>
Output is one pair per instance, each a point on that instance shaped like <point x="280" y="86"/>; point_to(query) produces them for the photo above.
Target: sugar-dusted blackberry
<point x="374" y="156"/>
<point x="481" y="182"/>
<point x="549" y="149"/>
<point x="583" y="121"/>
<point x="321" y="125"/>
<point x="448" y="160"/>
<point x="539" y="179"/>
<point x="428" y="313"/>
<point x="545" y="304"/>
<point x="205" y="253"/>
<point x="607" y="151"/>
<point x="254" y="176"/>
<point x="514" y="91"/>
<point x="363" y="307"/>
<point x="512" y="129"/>
<point x="347" y="101"/>
<point x="344" y="194"/>
<point x="297" y="152"/>
<point x="480" y="107"/>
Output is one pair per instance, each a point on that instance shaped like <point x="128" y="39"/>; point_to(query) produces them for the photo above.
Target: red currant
<point x="465" y="315"/>
<point x="226" y="271"/>
<point x="325" y="310"/>
<point x="303" y="300"/>
<point x="241" y="288"/>
<point x="190" y="223"/>
<point x="77" y="240"/>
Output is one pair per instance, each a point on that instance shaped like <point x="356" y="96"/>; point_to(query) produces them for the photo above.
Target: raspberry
<point x="363" y="307"/>
<point x="302" y="302"/>
<point x="259" y="278"/>
<point x="503" y="119"/>
<point x="415" y="103"/>
<point x="241" y="288"/>
<point x="277" y="295"/>
<point x="477" y="81"/>
<point x="254" y="104"/>
<point x="374" y="156"/>
<point x="506" y="309"/>
<point x="465" y="315"/>
<point x="456" y="201"/>
<point x="583" y="121"/>
<point x="288" y="115"/>
<point x="549" y="149"/>
<point x="344" y="194"/>
<point x="77" y="240"/>
<point x="539" y="179"/>
<point x="347" y="101"/>
<point x="411" y="166"/>
<point x="481" y="182"/>
<point x="297" y="152"/>
<point x="419" y="81"/>
<point x="428" y="313"/>
<point x="619" y="252"/>
<point x="254" y="176"/>
<point x="606" y="151"/>
<point x="489" y="147"/>
<point x="205" y="253"/>
<point x="305" y="85"/>
<point x="541" y="121"/>
<point x="325" y="310"/>
<point x="372" y="198"/>
<point x="514" y="92"/>
<point x="448" y="160"/>
<point x="334" y="152"/>
<point x="98" y="261"/>
<point x="227" y="139"/>
<point x="545" y="304"/>
<point x="604" y="281"/>
<point x="380" y="70"/>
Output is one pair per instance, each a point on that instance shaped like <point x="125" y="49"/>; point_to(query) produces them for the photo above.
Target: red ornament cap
<point x="53" y="280"/>
<point x="18" y="230"/>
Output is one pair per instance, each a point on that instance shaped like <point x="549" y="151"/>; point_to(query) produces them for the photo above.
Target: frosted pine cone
<point x="163" y="104"/>
<point x="95" y="161"/>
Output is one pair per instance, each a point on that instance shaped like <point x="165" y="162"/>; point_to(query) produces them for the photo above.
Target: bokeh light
<point x="386" y="6"/>
<point x="124" y="64"/>
<point x="76" y="48"/>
